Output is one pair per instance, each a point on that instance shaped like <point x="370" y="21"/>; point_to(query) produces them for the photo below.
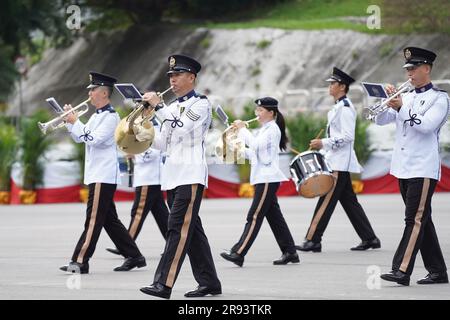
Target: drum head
<point x="317" y="186"/>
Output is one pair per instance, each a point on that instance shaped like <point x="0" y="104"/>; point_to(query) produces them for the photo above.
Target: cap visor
<point x="332" y="80"/>
<point x="91" y="86"/>
<point x="408" y="65"/>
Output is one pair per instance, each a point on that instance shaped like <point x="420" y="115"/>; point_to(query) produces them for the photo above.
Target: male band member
<point x="419" y="115"/>
<point x="184" y="176"/>
<point x="341" y="156"/>
<point x="148" y="195"/>
<point x="263" y="152"/>
<point x="102" y="176"/>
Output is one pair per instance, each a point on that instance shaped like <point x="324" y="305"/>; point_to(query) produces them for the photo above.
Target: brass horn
<point x="135" y="133"/>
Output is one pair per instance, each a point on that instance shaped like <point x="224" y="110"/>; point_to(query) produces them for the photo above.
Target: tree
<point x="18" y="20"/>
<point x="416" y="15"/>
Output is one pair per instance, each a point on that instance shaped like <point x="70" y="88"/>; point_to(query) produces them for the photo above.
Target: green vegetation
<point x="362" y="141"/>
<point x="8" y="148"/>
<point x="263" y="44"/>
<point x="408" y="16"/>
<point x="303" y="128"/>
<point x="303" y="14"/>
<point x="32" y="146"/>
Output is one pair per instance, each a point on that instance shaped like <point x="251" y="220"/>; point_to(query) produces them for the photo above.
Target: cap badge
<point x="407" y="54"/>
<point x="172" y="62"/>
<point x="90" y="77"/>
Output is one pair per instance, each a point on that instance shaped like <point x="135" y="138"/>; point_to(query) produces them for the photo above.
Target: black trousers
<point x="146" y="199"/>
<point x="101" y="213"/>
<point x="265" y="204"/>
<point x="342" y="192"/>
<point x="185" y="235"/>
<point x="419" y="232"/>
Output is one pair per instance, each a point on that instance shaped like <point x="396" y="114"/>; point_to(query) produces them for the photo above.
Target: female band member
<point x="266" y="176"/>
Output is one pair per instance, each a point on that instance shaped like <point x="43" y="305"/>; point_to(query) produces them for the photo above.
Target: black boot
<point x="157" y="290"/>
<point x="234" y="257"/>
<point x="396" y="276"/>
<point x="131" y="263"/>
<point x="435" y="277"/>
<point x="286" y="258"/>
<point x="309" y="245"/>
<point x="202" y="291"/>
<point x="367" y="244"/>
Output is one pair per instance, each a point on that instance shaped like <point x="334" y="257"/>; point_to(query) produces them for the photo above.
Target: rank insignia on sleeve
<point x="192" y="115"/>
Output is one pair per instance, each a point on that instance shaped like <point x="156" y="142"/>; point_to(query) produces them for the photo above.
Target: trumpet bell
<point x="136" y="141"/>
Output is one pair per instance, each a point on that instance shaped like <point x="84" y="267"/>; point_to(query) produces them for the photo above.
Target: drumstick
<point x="294" y="151"/>
<point x="318" y="136"/>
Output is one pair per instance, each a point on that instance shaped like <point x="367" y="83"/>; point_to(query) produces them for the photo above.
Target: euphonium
<point x="230" y="148"/>
<point x="135" y="133"/>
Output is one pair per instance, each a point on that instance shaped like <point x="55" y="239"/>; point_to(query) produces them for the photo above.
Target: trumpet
<point x="60" y="121"/>
<point x="135" y="133"/>
<point x="371" y="112"/>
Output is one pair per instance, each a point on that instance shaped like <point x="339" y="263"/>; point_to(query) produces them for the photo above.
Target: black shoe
<point x="433" y="278"/>
<point x="367" y="244"/>
<point x="157" y="290"/>
<point x="202" y="291"/>
<point x="115" y="251"/>
<point x="286" y="258"/>
<point x="234" y="257"/>
<point x="396" y="276"/>
<point x="309" y="245"/>
<point x="131" y="263"/>
<point x="75" y="267"/>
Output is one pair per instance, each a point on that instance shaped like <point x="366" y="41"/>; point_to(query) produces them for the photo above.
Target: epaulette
<point x="438" y="89"/>
<point x="346" y="103"/>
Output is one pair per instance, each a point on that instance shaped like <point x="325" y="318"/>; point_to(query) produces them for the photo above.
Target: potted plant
<point x="32" y="144"/>
<point x="8" y="146"/>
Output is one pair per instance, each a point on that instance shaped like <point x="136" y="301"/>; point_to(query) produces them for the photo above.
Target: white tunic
<point x="263" y="153"/>
<point x="416" y="149"/>
<point x="147" y="168"/>
<point x="338" y="146"/>
<point x="101" y="164"/>
<point x="182" y="137"/>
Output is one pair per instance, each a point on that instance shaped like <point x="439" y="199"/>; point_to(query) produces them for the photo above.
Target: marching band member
<point x="148" y="195"/>
<point x="263" y="152"/>
<point x="184" y="176"/>
<point x="102" y="176"/>
<point x="342" y="159"/>
<point x="419" y="115"/>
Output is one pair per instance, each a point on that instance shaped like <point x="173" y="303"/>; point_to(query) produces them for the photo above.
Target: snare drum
<point x="312" y="174"/>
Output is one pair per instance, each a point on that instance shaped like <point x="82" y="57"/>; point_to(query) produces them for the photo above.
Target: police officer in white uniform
<point x="340" y="154"/>
<point x="419" y="115"/>
<point x="184" y="176"/>
<point x="148" y="195"/>
<point x="263" y="153"/>
<point x="102" y="177"/>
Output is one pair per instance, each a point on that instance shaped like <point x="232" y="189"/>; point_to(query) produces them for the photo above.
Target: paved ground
<point x="36" y="240"/>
